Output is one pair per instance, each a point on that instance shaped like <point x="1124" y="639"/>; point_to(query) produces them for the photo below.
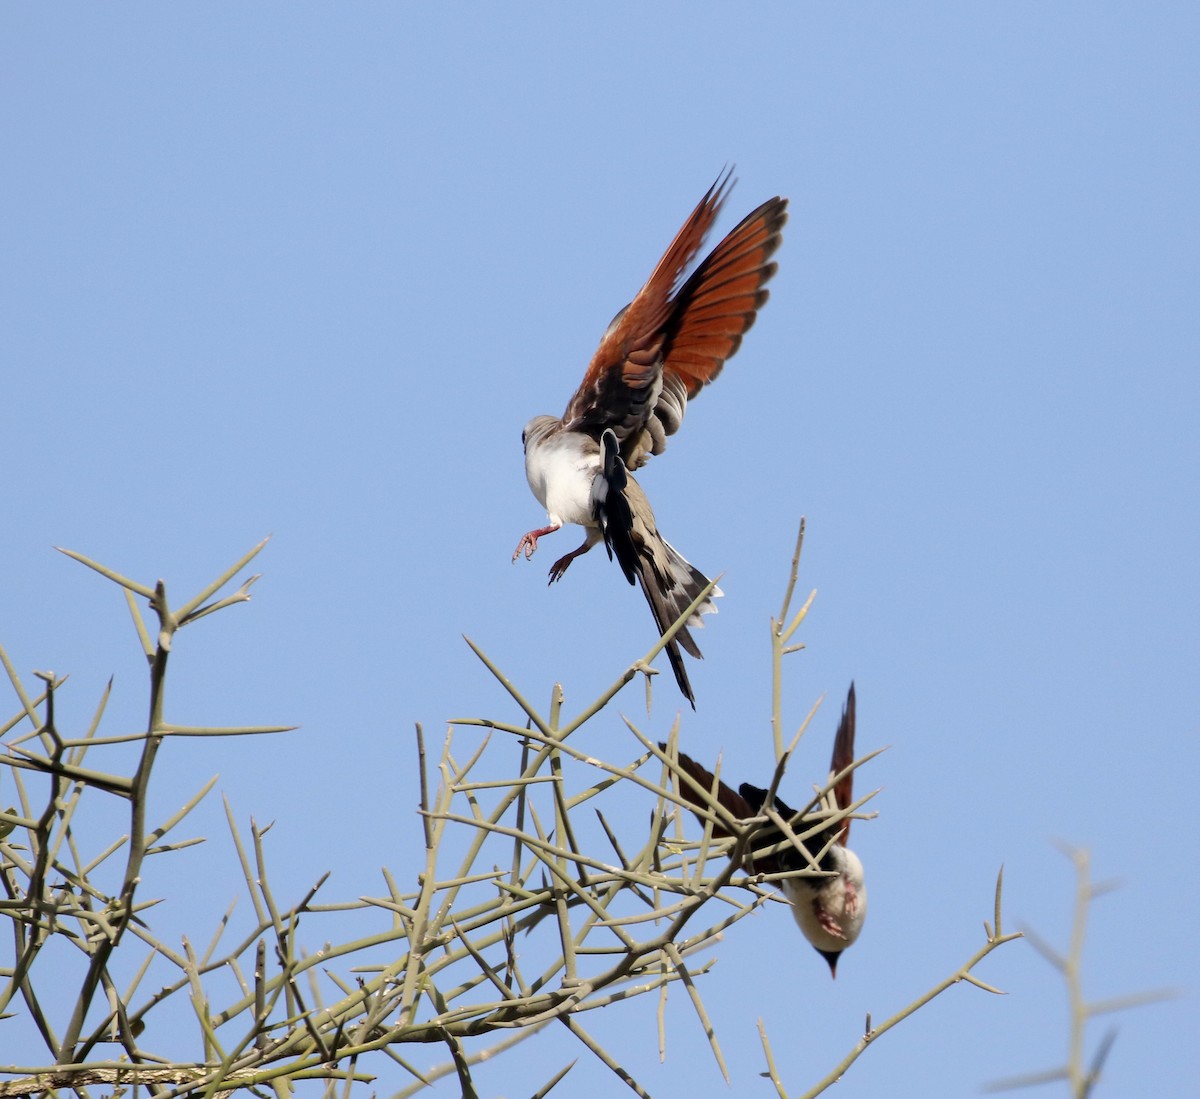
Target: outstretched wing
<point x="619" y="388"/>
<point x="704" y="780"/>
<point x="674" y="337"/>
<point x="743" y="805"/>
<point x="719" y="302"/>
<point x="843" y="756"/>
<point x="711" y="313"/>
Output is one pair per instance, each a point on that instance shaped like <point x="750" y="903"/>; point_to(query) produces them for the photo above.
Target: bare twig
<point x="1081" y="1077"/>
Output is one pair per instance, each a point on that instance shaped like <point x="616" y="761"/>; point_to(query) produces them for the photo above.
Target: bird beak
<point x="831" y="956"/>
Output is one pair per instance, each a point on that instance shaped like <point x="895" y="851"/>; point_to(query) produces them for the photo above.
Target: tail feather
<point x="669" y="582"/>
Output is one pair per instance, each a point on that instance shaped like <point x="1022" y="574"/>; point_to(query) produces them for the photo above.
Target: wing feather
<point x="720" y="300"/>
<point x="749" y="800"/>
<point x="843" y="756"/>
<point x="618" y="389"/>
<point x="676" y="334"/>
<point x="703" y="779"/>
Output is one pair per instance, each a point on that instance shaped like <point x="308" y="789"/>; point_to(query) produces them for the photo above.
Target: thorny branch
<point x="525" y="911"/>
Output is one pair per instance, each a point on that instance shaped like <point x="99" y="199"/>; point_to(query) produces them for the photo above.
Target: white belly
<point x="560" y="471"/>
<point x="837" y="903"/>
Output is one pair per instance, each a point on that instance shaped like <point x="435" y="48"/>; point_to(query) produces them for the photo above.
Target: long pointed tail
<point x="669" y="582"/>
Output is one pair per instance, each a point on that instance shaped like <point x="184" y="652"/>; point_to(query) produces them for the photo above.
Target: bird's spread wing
<point x="843" y="756"/>
<point x="619" y="387"/>
<point x="704" y="780"/>
<point x="742" y="805"/>
<point x="787" y="859"/>
<point x="717" y="305"/>
<point x="675" y="336"/>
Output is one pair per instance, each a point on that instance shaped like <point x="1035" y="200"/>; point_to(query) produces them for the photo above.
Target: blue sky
<point x="306" y="270"/>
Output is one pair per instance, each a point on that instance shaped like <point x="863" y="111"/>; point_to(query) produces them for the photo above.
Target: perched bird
<point x="658" y="353"/>
<point x="829" y="910"/>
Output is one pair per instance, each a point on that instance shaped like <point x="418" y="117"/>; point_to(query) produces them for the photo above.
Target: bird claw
<point x="559" y="568"/>
<point x="528" y="543"/>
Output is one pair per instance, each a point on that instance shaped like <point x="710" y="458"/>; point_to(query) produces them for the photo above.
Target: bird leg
<point x="563" y="563"/>
<point x="529" y="541"/>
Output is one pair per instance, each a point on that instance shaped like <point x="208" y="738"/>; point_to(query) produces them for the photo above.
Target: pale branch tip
<point x="1081" y="1078"/>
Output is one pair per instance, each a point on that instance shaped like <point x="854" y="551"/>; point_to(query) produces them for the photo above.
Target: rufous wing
<point x="703" y="779"/>
<point x="617" y="389"/>
<point x="720" y="300"/>
<point x="843" y="756"/>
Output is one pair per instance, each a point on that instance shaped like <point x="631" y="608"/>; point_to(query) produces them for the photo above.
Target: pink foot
<point x="529" y="542"/>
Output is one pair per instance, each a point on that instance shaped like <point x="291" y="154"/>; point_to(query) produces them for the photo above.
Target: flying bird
<point x="829" y="910"/>
<point x="658" y="353"/>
